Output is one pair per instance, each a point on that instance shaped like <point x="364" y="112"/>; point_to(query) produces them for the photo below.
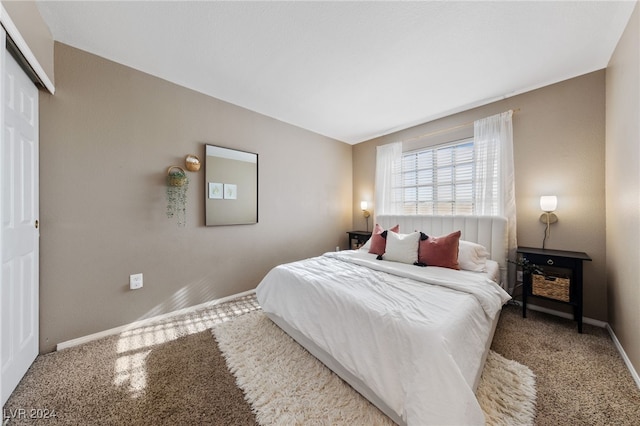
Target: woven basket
<point x="192" y="163"/>
<point x="551" y="287"/>
<point x="176" y="177"/>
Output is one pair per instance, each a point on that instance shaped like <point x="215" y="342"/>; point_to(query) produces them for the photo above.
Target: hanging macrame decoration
<point x="177" y="185"/>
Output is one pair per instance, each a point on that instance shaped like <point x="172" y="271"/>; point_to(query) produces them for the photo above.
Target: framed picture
<point x="232" y="190"/>
<point x="216" y="191"/>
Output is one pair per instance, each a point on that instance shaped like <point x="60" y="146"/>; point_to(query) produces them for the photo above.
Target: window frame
<point x="438" y="204"/>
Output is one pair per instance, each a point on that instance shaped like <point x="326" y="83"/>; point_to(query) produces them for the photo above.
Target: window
<point x="437" y="180"/>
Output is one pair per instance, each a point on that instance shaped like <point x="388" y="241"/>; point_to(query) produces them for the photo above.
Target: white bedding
<point x="415" y="336"/>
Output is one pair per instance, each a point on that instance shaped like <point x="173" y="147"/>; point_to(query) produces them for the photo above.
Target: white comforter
<point x="415" y="336"/>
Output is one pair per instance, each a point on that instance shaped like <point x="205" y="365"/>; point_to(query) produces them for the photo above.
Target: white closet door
<point x="19" y="231"/>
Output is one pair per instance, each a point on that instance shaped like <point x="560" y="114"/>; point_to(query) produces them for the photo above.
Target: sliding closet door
<point x="19" y="233"/>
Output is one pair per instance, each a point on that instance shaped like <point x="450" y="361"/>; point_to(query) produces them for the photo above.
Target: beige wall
<point x="26" y="17"/>
<point x="623" y="189"/>
<point x="559" y="134"/>
<point x="107" y="138"/>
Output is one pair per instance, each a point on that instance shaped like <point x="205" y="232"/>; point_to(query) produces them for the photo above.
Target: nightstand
<point x="560" y="282"/>
<point x="358" y="238"/>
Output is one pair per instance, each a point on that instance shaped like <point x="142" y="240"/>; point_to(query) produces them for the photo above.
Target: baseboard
<point x="141" y="323"/>
<point x="624" y="356"/>
<point x="597" y="323"/>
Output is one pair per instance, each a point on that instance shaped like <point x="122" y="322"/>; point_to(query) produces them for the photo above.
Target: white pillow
<point x="402" y="247"/>
<point x="472" y="256"/>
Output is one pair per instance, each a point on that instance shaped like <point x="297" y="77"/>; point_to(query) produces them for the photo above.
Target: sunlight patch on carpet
<point x="286" y="385"/>
<point x="135" y="344"/>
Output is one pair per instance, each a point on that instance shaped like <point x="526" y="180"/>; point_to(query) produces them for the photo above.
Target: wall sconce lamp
<point x="365" y="212"/>
<point x="548" y="204"/>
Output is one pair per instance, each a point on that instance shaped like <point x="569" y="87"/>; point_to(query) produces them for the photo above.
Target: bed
<point x="411" y="339"/>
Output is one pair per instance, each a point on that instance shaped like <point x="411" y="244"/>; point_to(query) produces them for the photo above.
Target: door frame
<point x="25" y="51"/>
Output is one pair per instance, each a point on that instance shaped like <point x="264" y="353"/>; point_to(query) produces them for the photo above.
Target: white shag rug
<point x="286" y="385"/>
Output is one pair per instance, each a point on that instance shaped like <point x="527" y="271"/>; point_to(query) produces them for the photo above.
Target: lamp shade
<point x="363" y="205"/>
<point x="548" y="203"/>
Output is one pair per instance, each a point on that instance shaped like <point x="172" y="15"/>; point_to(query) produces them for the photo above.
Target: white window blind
<point x="437" y="180"/>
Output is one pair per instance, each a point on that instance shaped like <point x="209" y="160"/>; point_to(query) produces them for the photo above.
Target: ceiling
<point x="349" y="70"/>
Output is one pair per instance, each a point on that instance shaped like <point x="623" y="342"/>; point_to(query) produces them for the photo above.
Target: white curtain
<point x="388" y="161"/>
<point x="495" y="183"/>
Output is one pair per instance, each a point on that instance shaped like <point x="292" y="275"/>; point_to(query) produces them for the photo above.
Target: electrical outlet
<point x="135" y="281"/>
<point x="519" y="276"/>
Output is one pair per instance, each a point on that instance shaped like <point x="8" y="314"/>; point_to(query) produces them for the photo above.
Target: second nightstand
<point x="358" y="238"/>
<point x="561" y="281"/>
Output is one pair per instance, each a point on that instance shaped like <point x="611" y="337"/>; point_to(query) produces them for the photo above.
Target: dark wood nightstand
<point x="358" y="238"/>
<point x="560" y="282"/>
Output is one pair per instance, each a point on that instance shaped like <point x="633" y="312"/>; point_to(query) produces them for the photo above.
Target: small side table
<point x="358" y="238"/>
<point x="561" y="282"/>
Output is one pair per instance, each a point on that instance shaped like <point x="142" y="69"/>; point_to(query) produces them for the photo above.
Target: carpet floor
<point x="172" y="372"/>
<point x="580" y="378"/>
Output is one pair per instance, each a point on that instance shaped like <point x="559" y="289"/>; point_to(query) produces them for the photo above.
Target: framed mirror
<point x="231" y="186"/>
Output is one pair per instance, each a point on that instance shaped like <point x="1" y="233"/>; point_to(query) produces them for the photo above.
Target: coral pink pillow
<point x="378" y="242"/>
<point x="440" y="251"/>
